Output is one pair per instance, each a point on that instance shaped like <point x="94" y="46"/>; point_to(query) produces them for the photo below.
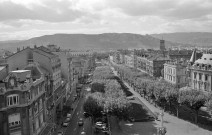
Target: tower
<point x="162" y="45"/>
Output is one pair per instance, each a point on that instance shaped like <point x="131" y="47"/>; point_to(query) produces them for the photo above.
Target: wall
<point x="43" y="60"/>
<point x="19" y="60"/>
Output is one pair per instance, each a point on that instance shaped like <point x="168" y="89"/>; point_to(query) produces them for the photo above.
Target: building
<point x="200" y="72"/>
<point x="141" y="62"/>
<point x="129" y="60"/>
<point x="22" y="109"/>
<point x="55" y="87"/>
<point x="52" y="63"/>
<point x="182" y="54"/>
<point x="162" y="45"/>
<point x="175" y="73"/>
<point x="155" y="64"/>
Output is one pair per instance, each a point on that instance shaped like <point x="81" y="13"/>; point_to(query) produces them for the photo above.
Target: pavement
<point x="174" y="125"/>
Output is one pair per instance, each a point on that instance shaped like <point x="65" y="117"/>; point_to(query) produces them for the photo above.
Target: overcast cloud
<point x="22" y="19"/>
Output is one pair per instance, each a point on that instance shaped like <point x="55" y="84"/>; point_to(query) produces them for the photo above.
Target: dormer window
<point x="12" y="100"/>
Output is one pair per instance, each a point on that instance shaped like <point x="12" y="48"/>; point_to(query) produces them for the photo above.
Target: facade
<point x="175" y="73"/>
<point x="141" y="62"/>
<point x="65" y="69"/>
<point x="50" y="65"/>
<point x="200" y="73"/>
<point x="129" y="60"/>
<point x="22" y="109"/>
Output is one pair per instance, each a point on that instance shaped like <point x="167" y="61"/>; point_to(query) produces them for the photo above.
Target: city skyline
<point x="31" y="18"/>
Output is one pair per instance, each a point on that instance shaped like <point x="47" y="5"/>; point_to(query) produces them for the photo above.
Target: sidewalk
<point x="174" y="125"/>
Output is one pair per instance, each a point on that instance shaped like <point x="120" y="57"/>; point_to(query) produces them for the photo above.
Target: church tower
<point x="162" y="45"/>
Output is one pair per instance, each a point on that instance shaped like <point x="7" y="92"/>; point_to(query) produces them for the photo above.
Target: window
<point x="14" y="120"/>
<point x="40" y="104"/>
<point x="12" y="100"/>
<point x="173" y="79"/>
<point x="205" y="86"/>
<point x="36" y="108"/>
<point x="173" y="71"/>
<point x="200" y="76"/>
<point x="206" y="77"/>
<point x="195" y="75"/>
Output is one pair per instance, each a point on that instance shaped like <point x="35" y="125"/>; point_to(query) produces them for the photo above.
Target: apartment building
<point x="200" y="72"/>
<point x="22" y="108"/>
<point x="175" y="73"/>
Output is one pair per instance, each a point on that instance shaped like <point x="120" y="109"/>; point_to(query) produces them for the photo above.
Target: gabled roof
<point x="44" y="51"/>
<point x="193" y="56"/>
<point x="19" y="52"/>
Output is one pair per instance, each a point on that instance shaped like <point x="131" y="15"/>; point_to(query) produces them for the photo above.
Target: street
<point x="73" y="127"/>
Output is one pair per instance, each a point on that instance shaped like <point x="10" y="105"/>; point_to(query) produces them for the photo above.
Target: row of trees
<point x="162" y="93"/>
<point x="106" y="96"/>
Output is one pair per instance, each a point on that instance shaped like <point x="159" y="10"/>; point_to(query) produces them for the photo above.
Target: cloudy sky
<point x="23" y="19"/>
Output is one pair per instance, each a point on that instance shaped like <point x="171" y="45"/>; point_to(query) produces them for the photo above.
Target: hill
<point x="193" y="38"/>
<point x="106" y="41"/>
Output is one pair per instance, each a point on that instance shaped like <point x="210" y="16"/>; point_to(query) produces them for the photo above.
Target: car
<point x="100" y="125"/>
<point x="86" y="115"/>
<point x="88" y="89"/>
<point x="131" y="119"/>
<point x="80" y="122"/>
<point x="83" y="133"/>
<point x="65" y="123"/>
<point x="68" y="115"/>
<point x="60" y="133"/>
<point x="68" y="119"/>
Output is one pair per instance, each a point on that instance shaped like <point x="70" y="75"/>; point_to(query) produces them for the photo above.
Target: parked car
<point x="65" y="123"/>
<point x="68" y="119"/>
<point x="100" y="125"/>
<point x="60" y="133"/>
<point x="85" y="114"/>
<point x="80" y="122"/>
<point x="83" y="133"/>
<point x="131" y="119"/>
<point x="68" y="115"/>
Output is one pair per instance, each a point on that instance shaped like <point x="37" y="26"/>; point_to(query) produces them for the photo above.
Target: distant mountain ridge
<point x="106" y="41"/>
<point x="191" y="38"/>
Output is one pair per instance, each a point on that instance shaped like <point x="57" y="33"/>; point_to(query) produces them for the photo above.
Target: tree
<point x="93" y="105"/>
<point x="97" y="87"/>
<point x="159" y="93"/>
<point x="193" y="99"/>
<point x="171" y="96"/>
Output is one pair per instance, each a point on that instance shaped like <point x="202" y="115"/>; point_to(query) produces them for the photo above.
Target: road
<point x="73" y="128"/>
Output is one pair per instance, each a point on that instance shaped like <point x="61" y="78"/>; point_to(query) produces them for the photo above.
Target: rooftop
<point x="2" y="67"/>
<point x="205" y="59"/>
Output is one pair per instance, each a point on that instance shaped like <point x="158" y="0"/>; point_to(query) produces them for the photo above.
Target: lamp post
<point x="161" y="130"/>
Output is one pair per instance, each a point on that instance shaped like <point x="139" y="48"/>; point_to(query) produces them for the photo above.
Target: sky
<point x="24" y="19"/>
